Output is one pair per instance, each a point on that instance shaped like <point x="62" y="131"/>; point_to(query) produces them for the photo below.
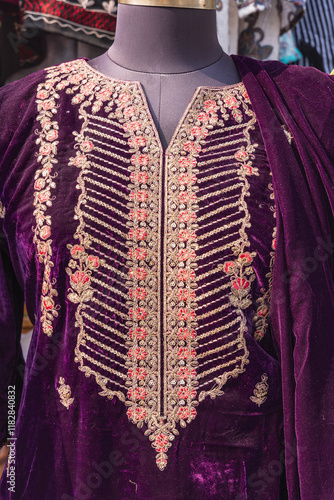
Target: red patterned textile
<point x="91" y="21"/>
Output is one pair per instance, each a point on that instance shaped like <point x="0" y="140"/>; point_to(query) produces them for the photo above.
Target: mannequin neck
<point x="174" y="40"/>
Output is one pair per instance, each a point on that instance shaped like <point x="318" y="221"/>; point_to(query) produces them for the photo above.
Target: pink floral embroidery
<point x="138" y="373"/>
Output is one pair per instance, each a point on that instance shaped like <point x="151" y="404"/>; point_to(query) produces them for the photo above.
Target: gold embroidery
<point x="261" y="390"/>
<point x="158" y="370"/>
<point x="288" y="134"/>
<point x="261" y="317"/>
<point x="2" y="211"/>
<point x="64" y="393"/>
<point x="44" y="183"/>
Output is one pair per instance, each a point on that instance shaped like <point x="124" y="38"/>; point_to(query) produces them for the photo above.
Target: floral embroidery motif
<point x="2" y="211"/>
<point x="47" y="143"/>
<point x="151" y="360"/>
<point x="64" y="393"/>
<point x="261" y="390"/>
<point x="242" y="275"/>
<point x="261" y="317"/>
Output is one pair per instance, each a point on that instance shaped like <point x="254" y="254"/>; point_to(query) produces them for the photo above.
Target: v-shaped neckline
<point x="163" y="151"/>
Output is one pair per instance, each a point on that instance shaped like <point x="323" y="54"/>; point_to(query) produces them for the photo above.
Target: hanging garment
<point x="253" y="28"/>
<point x="149" y="275"/>
<point x="315" y="35"/>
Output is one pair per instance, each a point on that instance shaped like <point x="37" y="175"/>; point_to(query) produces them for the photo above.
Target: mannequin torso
<point x="170" y="52"/>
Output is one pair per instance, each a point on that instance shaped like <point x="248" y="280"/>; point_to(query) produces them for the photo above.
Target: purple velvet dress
<point x="154" y="371"/>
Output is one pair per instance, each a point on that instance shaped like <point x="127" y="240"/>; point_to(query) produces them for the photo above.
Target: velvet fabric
<point x="233" y="448"/>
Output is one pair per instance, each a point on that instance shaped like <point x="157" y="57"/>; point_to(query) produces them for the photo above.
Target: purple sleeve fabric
<point x="302" y="308"/>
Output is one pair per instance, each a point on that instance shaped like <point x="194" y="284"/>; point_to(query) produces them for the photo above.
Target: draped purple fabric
<point x="302" y="306"/>
<point x="69" y="197"/>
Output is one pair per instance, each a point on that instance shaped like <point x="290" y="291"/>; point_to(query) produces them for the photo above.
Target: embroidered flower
<point x="246" y="257"/>
<point x="136" y="414"/>
<point x="124" y="98"/>
<point x="45" y="232"/>
<point x="77" y="99"/>
<point x="185" y="274"/>
<point x="86" y="146"/>
<point x="138" y="293"/>
<point x="138" y="353"/>
<point x="186" y="413"/>
<point x="185" y="254"/>
<point x="50" y="104"/>
<point x="140" y="159"/>
<point x="79" y="160"/>
<point x="185" y="333"/>
<point x="80" y="278"/>
<point x="52" y="135"/>
<point x="76" y="78"/>
<point x="184" y="314"/>
<point x="210" y="105"/>
<point x="137" y="141"/>
<point x="186" y="215"/>
<point x="139" y="234"/>
<point x="140" y="214"/>
<point x="186" y="235"/>
<point x="129" y="112"/>
<point x="203" y="117"/>
<point x="186" y="392"/>
<point x="185" y="353"/>
<point x="48" y="304"/>
<point x="42" y="94"/>
<point x="87" y="88"/>
<point x="138" y="313"/>
<point x="186" y="373"/>
<point x="45" y="149"/>
<point x="77" y="250"/>
<point x="185" y="197"/>
<point x="161" y="442"/>
<point x="197" y="131"/>
<point x="139" y="195"/>
<point x="229" y="267"/>
<point x="93" y="261"/>
<point x="191" y="146"/>
<point x="241" y="284"/>
<point x="185" y="178"/>
<point x="103" y="95"/>
<point x="39" y="184"/>
<point x="139" y="333"/>
<point x="184" y="294"/>
<point x="43" y="248"/>
<point x="139" y="177"/>
<point x="231" y="102"/>
<point x="138" y="373"/>
<point x="132" y="126"/>
<point x="139" y="273"/>
<point x="241" y="155"/>
<point x="263" y="311"/>
<point x="185" y="162"/>
<point x="137" y="394"/>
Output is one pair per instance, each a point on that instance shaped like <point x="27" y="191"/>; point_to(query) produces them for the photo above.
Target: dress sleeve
<point x="15" y="117"/>
<point x="11" y="358"/>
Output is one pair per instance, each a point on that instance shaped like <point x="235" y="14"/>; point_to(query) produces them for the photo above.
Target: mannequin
<point x="171" y="51"/>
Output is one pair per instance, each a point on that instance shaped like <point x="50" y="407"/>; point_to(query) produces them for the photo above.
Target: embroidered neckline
<point x="160" y="369"/>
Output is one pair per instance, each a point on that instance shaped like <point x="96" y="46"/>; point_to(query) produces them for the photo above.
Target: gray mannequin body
<point x="171" y="52"/>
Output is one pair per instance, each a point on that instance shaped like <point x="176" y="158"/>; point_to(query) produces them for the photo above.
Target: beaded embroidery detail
<point x="261" y="390"/>
<point x="47" y="143"/>
<point x="64" y="393"/>
<point x="141" y="235"/>
<point x="2" y="211"/>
